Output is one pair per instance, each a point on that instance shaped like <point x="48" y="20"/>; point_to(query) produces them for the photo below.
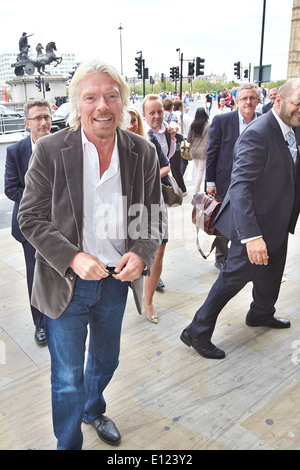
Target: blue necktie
<point x="292" y="145"/>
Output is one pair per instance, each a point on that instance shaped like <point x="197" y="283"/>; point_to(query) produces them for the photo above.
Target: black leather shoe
<point x="219" y="265"/>
<point x="39" y="336"/>
<point x="275" y="322"/>
<point x="160" y="284"/>
<point x="208" y="350"/>
<point x="106" y="430"/>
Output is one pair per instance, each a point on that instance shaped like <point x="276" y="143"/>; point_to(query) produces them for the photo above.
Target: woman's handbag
<point x="185" y="146"/>
<point x="173" y="194"/>
<point x="185" y="150"/>
<point x="204" y="213"/>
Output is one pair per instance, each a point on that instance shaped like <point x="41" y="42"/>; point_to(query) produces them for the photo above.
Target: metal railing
<point x="11" y="125"/>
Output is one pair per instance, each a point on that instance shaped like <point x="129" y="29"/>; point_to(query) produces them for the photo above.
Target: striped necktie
<point x="292" y="145"/>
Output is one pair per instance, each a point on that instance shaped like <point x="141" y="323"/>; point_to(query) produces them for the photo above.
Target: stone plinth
<point x="24" y="88"/>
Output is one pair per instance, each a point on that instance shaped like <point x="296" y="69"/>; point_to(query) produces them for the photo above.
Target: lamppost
<point x="181" y="73"/>
<point x="120" y="28"/>
<point x="262" y="43"/>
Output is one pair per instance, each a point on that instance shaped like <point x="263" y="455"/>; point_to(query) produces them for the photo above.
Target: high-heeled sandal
<point x="151" y="318"/>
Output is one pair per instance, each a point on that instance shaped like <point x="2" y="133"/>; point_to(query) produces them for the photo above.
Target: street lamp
<point x="120" y="28"/>
<point x="262" y="43"/>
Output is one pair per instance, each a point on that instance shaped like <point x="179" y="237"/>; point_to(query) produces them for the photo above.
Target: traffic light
<point x="47" y="86"/>
<point x="191" y="69"/>
<point x="237" y="69"/>
<point x="38" y="83"/>
<point x="176" y="73"/>
<point x="162" y="77"/>
<point x="246" y="73"/>
<point x="138" y="66"/>
<point x="199" y="66"/>
<point x="146" y="73"/>
<point x="172" y="73"/>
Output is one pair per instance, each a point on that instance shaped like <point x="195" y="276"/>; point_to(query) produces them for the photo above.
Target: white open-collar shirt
<point x="103" y="224"/>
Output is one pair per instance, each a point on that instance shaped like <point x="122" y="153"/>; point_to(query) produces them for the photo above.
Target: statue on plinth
<point x="25" y="64"/>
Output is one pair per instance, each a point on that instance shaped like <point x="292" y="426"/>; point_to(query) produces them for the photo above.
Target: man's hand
<point x="172" y="129"/>
<point x="88" y="267"/>
<point x="130" y="267"/>
<point x="257" y="251"/>
<point x="212" y="190"/>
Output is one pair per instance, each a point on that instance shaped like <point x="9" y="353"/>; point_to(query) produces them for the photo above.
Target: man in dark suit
<point x="269" y="105"/>
<point x="224" y="132"/>
<point x="257" y="220"/>
<point x="38" y="120"/>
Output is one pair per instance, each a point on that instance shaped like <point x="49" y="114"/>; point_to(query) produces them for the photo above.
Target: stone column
<point x="294" y="51"/>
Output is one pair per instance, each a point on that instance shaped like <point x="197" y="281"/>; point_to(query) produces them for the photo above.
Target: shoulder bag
<point x="204" y="213"/>
<point x="172" y="193"/>
<point x="185" y="146"/>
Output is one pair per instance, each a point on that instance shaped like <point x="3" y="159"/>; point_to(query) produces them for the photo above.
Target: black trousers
<point x="29" y="253"/>
<point x="237" y="273"/>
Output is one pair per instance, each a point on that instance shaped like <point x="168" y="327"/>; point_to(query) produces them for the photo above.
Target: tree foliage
<point x="201" y="86"/>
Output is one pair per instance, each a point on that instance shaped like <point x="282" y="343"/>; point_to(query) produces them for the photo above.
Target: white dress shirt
<point x="242" y="123"/>
<point x="103" y="220"/>
<point x="283" y="126"/>
<point x="160" y="134"/>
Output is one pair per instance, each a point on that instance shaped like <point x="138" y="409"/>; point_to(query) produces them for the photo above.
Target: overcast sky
<point x="222" y="32"/>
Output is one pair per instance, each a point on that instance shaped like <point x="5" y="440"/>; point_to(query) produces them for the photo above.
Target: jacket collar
<point x="73" y="163"/>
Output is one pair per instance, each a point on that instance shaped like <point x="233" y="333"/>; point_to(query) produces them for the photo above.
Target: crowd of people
<point x="68" y="196"/>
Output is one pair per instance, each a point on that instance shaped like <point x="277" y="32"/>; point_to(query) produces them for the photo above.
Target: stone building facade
<point x="294" y="51"/>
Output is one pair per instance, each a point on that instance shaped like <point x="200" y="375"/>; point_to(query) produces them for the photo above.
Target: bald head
<point x="287" y="103"/>
<point x="290" y="88"/>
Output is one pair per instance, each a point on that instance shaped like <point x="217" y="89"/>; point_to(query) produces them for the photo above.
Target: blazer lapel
<point x="236" y="127"/>
<point x="282" y="146"/>
<point x="28" y="150"/>
<point x="72" y="156"/>
<point x="128" y="162"/>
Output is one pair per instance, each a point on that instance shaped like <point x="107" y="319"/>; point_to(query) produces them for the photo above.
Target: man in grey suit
<point x="91" y="208"/>
<point x="259" y="210"/>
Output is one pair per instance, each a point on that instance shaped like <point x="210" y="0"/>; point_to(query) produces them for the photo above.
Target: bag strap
<point x="213" y="245"/>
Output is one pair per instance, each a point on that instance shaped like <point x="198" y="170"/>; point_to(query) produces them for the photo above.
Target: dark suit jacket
<point x="17" y="159"/>
<point x="267" y="107"/>
<point x="224" y="132"/>
<point x="261" y="197"/>
<point x="51" y="211"/>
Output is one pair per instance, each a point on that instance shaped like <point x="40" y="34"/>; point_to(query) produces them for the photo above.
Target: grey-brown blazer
<point x="51" y="210"/>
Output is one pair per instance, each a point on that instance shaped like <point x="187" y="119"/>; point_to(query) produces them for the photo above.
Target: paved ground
<point x="164" y="395"/>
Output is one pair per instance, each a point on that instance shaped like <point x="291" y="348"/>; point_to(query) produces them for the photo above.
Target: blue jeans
<point x="77" y="394"/>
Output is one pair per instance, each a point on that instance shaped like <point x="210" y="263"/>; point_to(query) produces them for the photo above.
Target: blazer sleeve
<point x="13" y="186"/>
<point x="213" y="149"/>
<point x="153" y="215"/>
<point x="249" y="161"/>
<point x="36" y="218"/>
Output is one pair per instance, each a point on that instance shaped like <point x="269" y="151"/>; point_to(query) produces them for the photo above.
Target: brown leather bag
<point x="204" y="212"/>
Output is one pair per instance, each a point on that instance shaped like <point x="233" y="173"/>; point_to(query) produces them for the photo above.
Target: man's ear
<point x="277" y="102"/>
